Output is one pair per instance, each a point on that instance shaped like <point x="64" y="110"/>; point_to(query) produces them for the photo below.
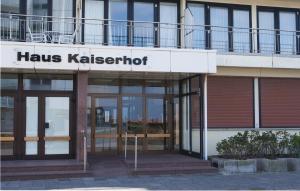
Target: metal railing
<point x="44" y="29"/>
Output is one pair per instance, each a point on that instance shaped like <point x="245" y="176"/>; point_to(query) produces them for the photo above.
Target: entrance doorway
<point x="47" y="126"/>
<point x="141" y="109"/>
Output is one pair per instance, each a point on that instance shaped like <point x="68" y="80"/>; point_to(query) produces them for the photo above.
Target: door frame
<point x="41" y="120"/>
<point x="93" y="117"/>
<point x="120" y="134"/>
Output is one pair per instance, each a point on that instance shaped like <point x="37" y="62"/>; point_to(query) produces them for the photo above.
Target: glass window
<point x="168" y="26"/>
<point x="32" y="113"/>
<point x="50" y="82"/>
<point x="10" y="6"/>
<point x="219" y="23"/>
<point x="155" y="87"/>
<point x="9" y="82"/>
<point x="118" y="25"/>
<point x="62" y="11"/>
<point x="132" y="114"/>
<point x="130" y="86"/>
<point x="37" y="7"/>
<point x="266" y="32"/>
<point x="10" y="27"/>
<point x="93" y="23"/>
<point x="57" y="115"/>
<point x="241" y="34"/>
<point x="288" y="32"/>
<point x="7" y="125"/>
<point x="103" y="86"/>
<point x="143" y="26"/>
<point x="195" y="35"/>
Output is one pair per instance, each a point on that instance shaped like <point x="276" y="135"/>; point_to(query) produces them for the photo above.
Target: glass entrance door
<point x="47" y="129"/>
<point x="157" y="133"/>
<point x="105" y="124"/>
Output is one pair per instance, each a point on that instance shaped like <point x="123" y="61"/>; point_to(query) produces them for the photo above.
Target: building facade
<point x="179" y="75"/>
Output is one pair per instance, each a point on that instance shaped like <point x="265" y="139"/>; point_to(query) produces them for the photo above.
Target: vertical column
<point x="254" y="27"/>
<point x="182" y="11"/>
<point x="81" y="118"/>
<point x="205" y="115"/>
<point x="256" y="103"/>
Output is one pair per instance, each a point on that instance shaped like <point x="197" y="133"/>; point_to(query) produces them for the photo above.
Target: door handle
<point x="47" y="126"/>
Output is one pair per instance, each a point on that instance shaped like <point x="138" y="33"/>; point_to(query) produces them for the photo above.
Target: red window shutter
<point x="280" y="102"/>
<point x="230" y="102"/>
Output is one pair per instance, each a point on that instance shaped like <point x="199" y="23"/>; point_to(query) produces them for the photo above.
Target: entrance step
<point x="41" y="169"/>
<point x="142" y="164"/>
<point x="156" y="164"/>
<point x="174" y="170"/>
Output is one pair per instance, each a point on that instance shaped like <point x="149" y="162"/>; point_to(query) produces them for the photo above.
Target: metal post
<point x="125" y="149"/>
<point x="10" y="30"/>
<point x="135" y="153"/>
<point x="205" y="115"/>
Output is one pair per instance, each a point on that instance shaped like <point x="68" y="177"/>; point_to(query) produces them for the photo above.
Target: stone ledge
<point x="232" y="166"/>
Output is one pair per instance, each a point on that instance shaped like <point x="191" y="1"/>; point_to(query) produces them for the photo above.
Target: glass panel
<point x="93" y="26"/>
<point x="61" y="10"/>
<point x="7" y="148"/>
<point x="31" y="124"/>
<point x="7" y="124"/>
<point x="118" y="27"/>
<point x="37" y="7"/>
<point x="106" y="124"/>
<point x="132" y="89"/>
<point x="176" y="123"/>
<point x="9" y="27"/>
<point x="288" y="35"/>
<point x="57" y="117"/>
<point x="266" y="32"/>
<point x="37" y="24"/>
<point x="89" y="122"/>
<point x="103" y="86"/>
<point x="185" y="123"/>
<point x="195" y="84"/>
<point x="10" y="6"/>
<point x="9" y="82"/>
<point x="132" y="118"/>
<point x="143" y="29"/>
<point x="51" y="82"/>
<point x="168" y="28"/>
<point x="197" y="32"/>
<point x="185" y="87"/>
<point x="155" y="124"/>
<point x="219" y="34"/>
<point x="195" y="107"/>
<point x="241" y="34"/>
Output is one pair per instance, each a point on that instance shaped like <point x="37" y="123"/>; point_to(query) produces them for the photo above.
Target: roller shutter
<point x="280" y="102"/>
<point x="230" y="102"/>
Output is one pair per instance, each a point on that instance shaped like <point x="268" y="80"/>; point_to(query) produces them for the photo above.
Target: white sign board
<point x="38" y="56"/>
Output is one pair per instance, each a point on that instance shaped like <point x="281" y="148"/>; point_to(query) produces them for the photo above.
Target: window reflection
<point x="132" y="114"/>
<point x="219" y="34"/>
<point x="51" y="82"/>
<point x="7" y="124"/>
<point x="143" y="31"/>
<point x="118" y="27"/>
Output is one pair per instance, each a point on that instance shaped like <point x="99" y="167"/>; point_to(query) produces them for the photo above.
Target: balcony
<point x="42" y="29"/>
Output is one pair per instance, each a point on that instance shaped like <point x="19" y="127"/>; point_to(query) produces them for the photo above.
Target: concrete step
<point x="174" y="170"/>
<point x="10" y="176"/>
<point x="40" y="166"/>
<point x="143" y="164"/>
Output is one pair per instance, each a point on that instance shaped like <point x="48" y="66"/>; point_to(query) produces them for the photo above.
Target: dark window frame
<point x="230" y="8"/>
<point x="276" y="11"/>
<point x="130" y="17"/>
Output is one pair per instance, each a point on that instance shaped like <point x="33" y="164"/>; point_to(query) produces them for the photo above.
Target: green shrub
<point x="253" y="144"/>
<point x="294" y="146"/>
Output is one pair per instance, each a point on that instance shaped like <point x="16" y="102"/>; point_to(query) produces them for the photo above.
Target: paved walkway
<point x="269" y="181"/>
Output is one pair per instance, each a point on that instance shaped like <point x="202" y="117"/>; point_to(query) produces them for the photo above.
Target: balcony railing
<point x="43" y="29"/>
